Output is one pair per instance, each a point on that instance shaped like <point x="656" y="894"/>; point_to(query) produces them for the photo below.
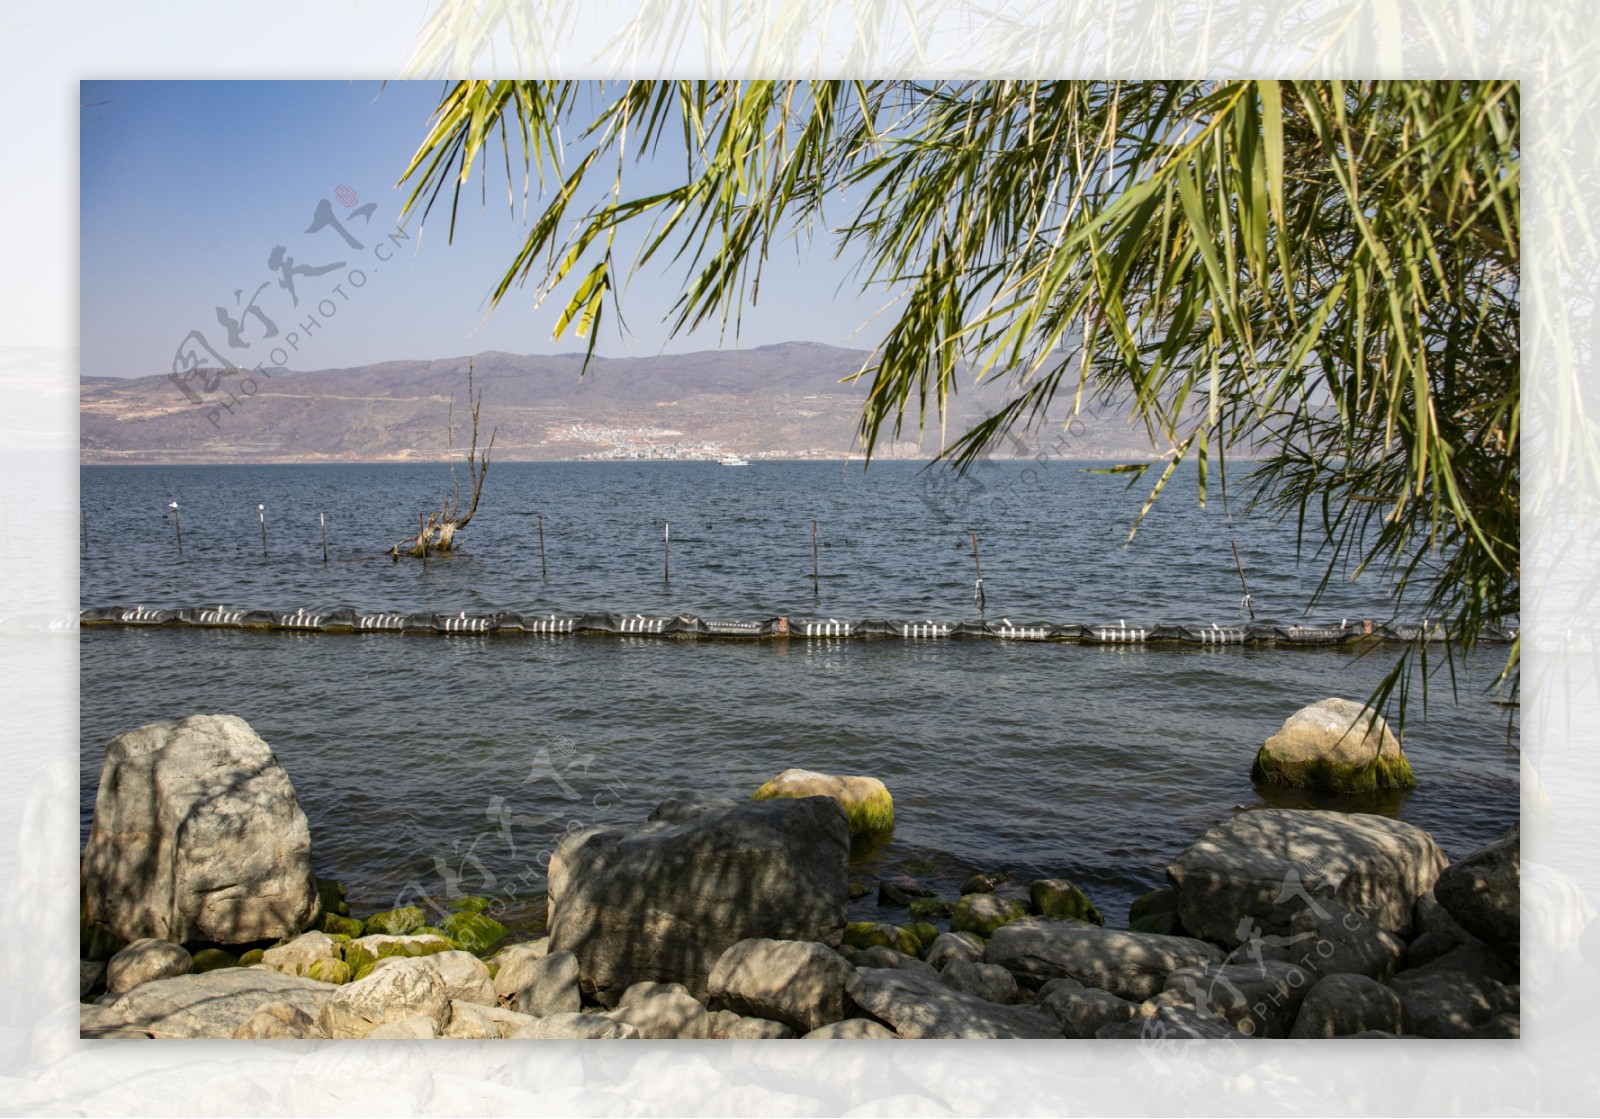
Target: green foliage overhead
<point x="1321" y="275"/>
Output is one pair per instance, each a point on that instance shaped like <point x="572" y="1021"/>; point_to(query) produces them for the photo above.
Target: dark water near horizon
<point x="449" y="765"/>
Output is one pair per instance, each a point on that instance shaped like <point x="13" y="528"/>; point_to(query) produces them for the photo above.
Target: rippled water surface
<point x="443" y="765"/>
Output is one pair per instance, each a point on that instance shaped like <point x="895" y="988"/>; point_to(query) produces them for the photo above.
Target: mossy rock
<point x="925" y="935"/>
<point x="252" y="957"/>
<point x="472" y="903"/>
<point x="1334" y="746"/>
<point x="1057" y="897"/>
<point x="335" y="925"/>
<point x="875" y="934"/>
<point x="329" y="971"/>
<point x="866" y="801"/>
<point x="331" y="897"/>
<point x="396" y="922"/>
<point x="929" y="909"/>
<point x="428" y="930"/>
<point x="983" y="883"/>
<point x="982" y="914"/>
<point x="340" y="938"/>
<point x="858" y="889"/>
<point x="1327" y="776"/>
<point x="920" y="869"/>
<point x="211" y="959"/>
<point x="475" y="932"/>
<point x="366" y="951"/>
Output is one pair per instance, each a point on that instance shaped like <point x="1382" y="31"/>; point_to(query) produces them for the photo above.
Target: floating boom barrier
<point x="510" y="624"/>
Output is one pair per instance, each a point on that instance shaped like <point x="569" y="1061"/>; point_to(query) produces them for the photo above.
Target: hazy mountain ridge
<point x="783" y="401"/>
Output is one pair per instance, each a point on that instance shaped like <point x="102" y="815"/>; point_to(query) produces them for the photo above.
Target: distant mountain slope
<point x="783" y="401"/>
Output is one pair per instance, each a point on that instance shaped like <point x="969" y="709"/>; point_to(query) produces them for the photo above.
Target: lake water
<point x="435" y="766"/>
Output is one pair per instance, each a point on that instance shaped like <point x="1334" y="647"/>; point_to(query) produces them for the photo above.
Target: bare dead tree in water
<point x="437" y="532"/>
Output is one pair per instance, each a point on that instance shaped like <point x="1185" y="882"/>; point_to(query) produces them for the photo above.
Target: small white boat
<point x="733" y="460"/>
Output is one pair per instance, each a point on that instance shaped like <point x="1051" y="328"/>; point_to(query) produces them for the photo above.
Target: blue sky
<point x="188" y="187"/>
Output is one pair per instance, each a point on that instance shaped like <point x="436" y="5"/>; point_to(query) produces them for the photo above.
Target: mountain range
<point x="790" y="400"/>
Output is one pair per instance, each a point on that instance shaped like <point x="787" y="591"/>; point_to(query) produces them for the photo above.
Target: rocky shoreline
<point x="727" y="918"/>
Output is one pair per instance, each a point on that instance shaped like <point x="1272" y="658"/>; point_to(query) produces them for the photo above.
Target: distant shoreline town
<point x="787" y="402"/>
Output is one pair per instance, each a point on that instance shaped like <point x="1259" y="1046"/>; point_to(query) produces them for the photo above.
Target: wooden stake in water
<point x="544" y="572"/>
<point x="322" y="518"/>
<point x="177" y="527"/>
<point x="262" y="510"/>
<point x="666" y="555"/>
<point x="815" y="586"/>
<point x="982" y="600"/>
<point x="85" y="514"/>
<point x="1247" y="603"/>
<point x="422" y="538"/>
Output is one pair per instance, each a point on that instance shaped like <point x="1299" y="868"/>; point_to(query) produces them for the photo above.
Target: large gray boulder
<point x="197" y="835"/>
<point x="666" y="900"/>
<point x="215" y="1003"/>
<point x="1335" y="746"/>
<point x="797" y="982"/>
<point x="1344" y="1005"/>
<point x="1128" y="964"/>
<point x="1483" y="892"/>
<point x="1250" y="875"/>
<point x="918" y="1007"/>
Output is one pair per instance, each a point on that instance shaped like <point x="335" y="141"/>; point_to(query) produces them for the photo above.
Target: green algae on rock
<point x="1335" y="746"/>
<point x="982" y="914"/>
<point x="331" y="897"/>
<point x="876" y="934"/>
<point x="865" y="800"/>
<point x="335" y="925"/>
<point x="925" y="934"/>
<point x="397" y="922"/>
<point x="475" y="932"/>
<point x="330" y="971"/>
<point x="363" y="952"/>
<point x="210" y="959"/>
<point x="925" y="909"/>
<point x="1057" y="897"/>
